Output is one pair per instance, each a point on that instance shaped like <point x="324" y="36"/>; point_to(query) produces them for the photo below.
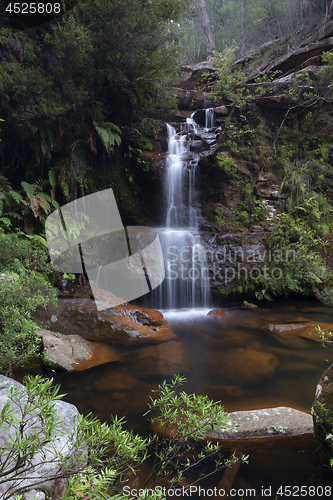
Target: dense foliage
<point x="22" y="289"/>
<point x="75" y="92"/>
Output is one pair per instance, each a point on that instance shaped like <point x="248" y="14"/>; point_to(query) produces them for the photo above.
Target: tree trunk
<point x="331" y="10"/>
<point x="210" y="42"/>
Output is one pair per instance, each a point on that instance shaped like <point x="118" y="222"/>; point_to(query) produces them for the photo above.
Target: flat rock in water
<point x="65" y="351"/>
<point x="268" y="422"/>
<point x="102" y="353"/>
<point x="310" y="331"/>
<point x="218" y="313"/>
<point x="247" y="430"/>
<point x="120" y="323"/>
<point x="248" y="305"/>
<point x="306" y="331"/>
<point x="282" y="328"/>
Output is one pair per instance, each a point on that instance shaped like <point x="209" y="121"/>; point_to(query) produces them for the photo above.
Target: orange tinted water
<point x="234" y="358"/>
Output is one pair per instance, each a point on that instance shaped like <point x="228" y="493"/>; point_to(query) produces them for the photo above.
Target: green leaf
<point x="16" y="196"/>
<point x="29" y="189"/>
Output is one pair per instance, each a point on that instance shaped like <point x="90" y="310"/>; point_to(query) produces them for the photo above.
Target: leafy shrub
<point x="22" y="290"/>
<point x="107" y="457"/>
<point x="227" y="165"/>
<point x="296" y="252"/>
<point x="20" y="252"/>
<point x="250" y="210"/>
<point x="325" y="295"/>
<point x="322" y="412"/>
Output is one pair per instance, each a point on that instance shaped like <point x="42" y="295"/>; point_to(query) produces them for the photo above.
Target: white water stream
<point x="187" y="282"/>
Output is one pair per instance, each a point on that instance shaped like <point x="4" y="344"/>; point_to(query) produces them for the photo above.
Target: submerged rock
<point x="282" y="328"/>
<point x="162" y="359"/>
<point x="116" y="382"/>
<point x="226" y="392"/>
<point x="307" y="331"/>
<point x="246" y="365"/>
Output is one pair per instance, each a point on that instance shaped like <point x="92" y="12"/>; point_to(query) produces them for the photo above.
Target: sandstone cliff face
<point x="249" y="161"/>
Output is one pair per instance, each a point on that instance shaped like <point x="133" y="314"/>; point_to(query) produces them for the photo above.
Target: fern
<point x="43" y="202"/>
<point x="2" y="198"/>
<point x="29" y="189"/>
<point x="109" y="135"/>
<point x="65" y="188"/>
<point x="52" y="177"/>
<point x="55" y="204"/>
<point x="4" y="184"/>
<point x="93" y="484"/>
<point x="15" y="196"/>
<point x="37" y="237"/>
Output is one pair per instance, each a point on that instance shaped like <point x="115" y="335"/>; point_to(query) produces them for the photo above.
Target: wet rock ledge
<point x="121" y="323"/>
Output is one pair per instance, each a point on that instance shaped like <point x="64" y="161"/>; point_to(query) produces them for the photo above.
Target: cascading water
<point x="187" y="282"/>
<point x="209" y="118"/>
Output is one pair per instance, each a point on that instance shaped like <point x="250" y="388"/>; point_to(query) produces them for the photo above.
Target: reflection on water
<point x="236" y="359"/>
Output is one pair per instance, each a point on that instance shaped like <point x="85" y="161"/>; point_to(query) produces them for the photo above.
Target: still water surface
<point x="235" y="359"/>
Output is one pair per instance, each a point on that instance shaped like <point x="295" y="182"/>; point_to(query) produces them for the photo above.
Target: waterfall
<point x="187" y="282"/>
<point x="209" y="118"/>
<point x="175" y="177"/>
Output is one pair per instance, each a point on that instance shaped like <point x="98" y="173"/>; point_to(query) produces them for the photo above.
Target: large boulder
<point x="65" y="351"/>
<point x="198" y="73"/>
<point x="120" y="323"/>
<point x="246" y="430"/>
<point x="189" y="99"/>
<point x="45" y="474"/>
<point x="267" y="422"/>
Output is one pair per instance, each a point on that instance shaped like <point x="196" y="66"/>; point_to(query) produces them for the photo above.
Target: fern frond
<point x="29" y="189"/>
<point x="109" y="135"/>
<point x="15" y="196"/>
<point x="15" y="215"/>
<point x="43" y="202"/>
<point x="65" y="188"/>
<point x="4" y="184"/>
<point x="55" y="204"/>
<point x="52" y="177"/>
